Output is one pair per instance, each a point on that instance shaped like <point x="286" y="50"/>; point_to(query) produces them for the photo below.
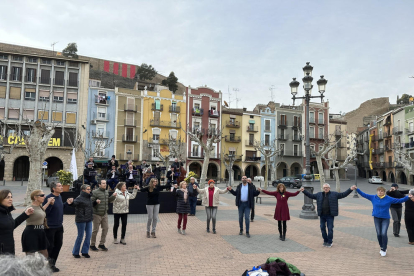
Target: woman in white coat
<point x="211" y="200"/>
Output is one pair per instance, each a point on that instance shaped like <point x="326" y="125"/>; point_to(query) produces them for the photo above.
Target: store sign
<point x="17" y="140"/>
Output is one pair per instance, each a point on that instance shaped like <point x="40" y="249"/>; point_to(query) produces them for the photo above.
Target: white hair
<point x="326" y="184"/>
<point x="192" y="178"/>
<point x="30" y="265"/>
<point x="411" y="192"/>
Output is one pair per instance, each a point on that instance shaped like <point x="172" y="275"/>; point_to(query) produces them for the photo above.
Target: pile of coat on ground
<point x="274" y="267"/>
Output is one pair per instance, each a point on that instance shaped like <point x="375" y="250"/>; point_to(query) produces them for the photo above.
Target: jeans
<point x="103" y="222"/>
<point x="83" y="227"/>
<point x="124" y="220"/>
<point x="327" y="220"/>
<point x="91" y="183"/>
<point x="55" y="238"/>
<point x="152" y="211"/>
<point x="211" y="215"/>
<point x="396" y="217"/>
<point x="183" y="218"/>
<point x="112" y="182"/>
<point x="381" y="225"/>
<point x="244" y="209"/>
<point x="193" y="204"/>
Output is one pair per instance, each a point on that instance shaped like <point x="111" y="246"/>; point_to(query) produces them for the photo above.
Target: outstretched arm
<point x="232" y="191"/>
<point x="313" y="196"/>
<point x="399" y="200"/>
<point x="344" y="194"/>
<point x="367" y="196"/>
<point x="270" y="193"/>
<point x="223" y="191"/>
<point x="288" y="194"/>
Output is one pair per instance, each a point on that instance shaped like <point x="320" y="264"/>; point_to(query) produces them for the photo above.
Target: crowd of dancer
<point x="44" y="217"/>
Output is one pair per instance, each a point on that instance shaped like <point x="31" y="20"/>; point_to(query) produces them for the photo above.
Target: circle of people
<point x="44" y="217"/>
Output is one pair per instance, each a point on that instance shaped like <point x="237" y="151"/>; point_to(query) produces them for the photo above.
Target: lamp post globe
<point x="294" y="87"/>
<point x="322" y="84"/>
<point x="307" y="82"/>
<point x="307" y="69"/>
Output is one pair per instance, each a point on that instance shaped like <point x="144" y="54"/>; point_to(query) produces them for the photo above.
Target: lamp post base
<point x="356" y="194"/>
<point x="308" y="209"/>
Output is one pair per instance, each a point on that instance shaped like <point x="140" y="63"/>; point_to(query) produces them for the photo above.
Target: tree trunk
<point x="204" y="169"/>
<point x="320" y="169"/>
<point x="338" y="183"/>
<point x="266" y="172"/>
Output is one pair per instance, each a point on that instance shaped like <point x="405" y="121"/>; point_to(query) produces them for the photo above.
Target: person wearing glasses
<point x="34" y="237"/>
<point x="83" y="218"/>
<point x="327" y="202"/>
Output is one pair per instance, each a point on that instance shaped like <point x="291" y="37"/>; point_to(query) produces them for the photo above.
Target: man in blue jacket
<point x="327" y="205"/>
<point x="244" y="194"/>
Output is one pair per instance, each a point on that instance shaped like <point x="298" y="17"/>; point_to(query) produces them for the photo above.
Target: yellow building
<point x="250" y="129"/>
<point x="232" y="143"/>
<point x="163" y="118"/>
<point x="338" y="128"/>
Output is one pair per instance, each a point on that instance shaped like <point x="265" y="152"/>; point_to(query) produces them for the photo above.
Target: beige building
<point x="338" y="131"/>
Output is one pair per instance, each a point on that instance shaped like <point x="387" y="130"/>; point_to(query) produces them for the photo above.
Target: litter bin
<point x="317" y="176"/>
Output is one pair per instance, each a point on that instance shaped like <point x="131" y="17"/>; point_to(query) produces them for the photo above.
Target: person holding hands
<point x="183" y="205"/>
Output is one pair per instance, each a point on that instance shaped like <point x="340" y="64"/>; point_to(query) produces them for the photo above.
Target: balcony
<point x="59" y="81"/>
<point x="252" y="129"/>
<point x="379" y="151"/>
<point x="15" y="77"/>
<point x="297" y="138"/>
<point x="237" y="158"/>
<point x="380" y="136"/>
<point x="389" y="164"/>
<point x="387" y="135"/>
<point x="289" y="153"/>
<point x="125" y="156"/>
<point x="397" y="130"/>
<point x="170" y="124"/>
<point x="73" y="83"/>
<point x="198" y="112"/>
<point x="409" y="131"/>
<point x="101" y="100"/>
<point x="252" y="159"/>
<point x="154" y="108"/>
<point x="129" y="138"/>
<point x="100" y="134"/>
<point x="174" y="109"/>
<point x="232" y="139"/>
<point x="43" y="80"/>
<point x="297" y="126"/>
<point x="101" y="117"/>
<point x="282" y="124"/>
<point x="389" y="148"/>
<point x="249" y="143"/>
<point x="233" y="124"/>
<point x="130" y="122"/>
<point x="130" y="108"/>
<point x="213" y="113"/>
<point x="283" y="137"/>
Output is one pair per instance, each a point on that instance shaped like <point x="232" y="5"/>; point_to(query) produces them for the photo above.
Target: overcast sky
<point x="364" y="48"/>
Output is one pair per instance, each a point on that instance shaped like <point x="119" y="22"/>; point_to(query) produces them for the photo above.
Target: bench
<point x="260" y="198"/>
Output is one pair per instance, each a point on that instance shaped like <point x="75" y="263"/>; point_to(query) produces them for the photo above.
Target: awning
<point x="251" y="122"/>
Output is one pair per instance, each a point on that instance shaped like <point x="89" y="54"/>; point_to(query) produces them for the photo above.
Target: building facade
<point x="51" y="89"/>
<point x="268" y="136"/>
<point x="338" y="134"/>
<point x="251" y="129"/>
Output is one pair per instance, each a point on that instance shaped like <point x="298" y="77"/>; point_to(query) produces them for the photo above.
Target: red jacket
<point x="282" y="209"/>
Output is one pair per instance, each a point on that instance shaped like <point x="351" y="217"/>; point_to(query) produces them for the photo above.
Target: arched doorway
<point x="391" y="177"/>
<point x="384" y="176"/>
<point x="375" y="173"/>
<point x="251" y="171"/>
<point x="212" y="171"/>
<point x="295" y="169"/>
<point x="196" y="168"/>
<point x="402" y="178"/>
<point x="369" y="174"/>
<point x="21" y="168"/>
<point x="236" y="173"/>
<point x="1" y="169"/>
<point x="54" y="164"/>
<point x="314" y="167"/>
<point x="269" y="172"/>
<point x="281" y="170"/>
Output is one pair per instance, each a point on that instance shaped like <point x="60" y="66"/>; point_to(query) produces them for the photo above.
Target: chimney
<point x="244" y="109"/>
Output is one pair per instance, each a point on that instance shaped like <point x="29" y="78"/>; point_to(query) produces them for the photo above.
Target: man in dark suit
<point x="88" y="178"/>
<point x="112" y="178"/>
<point x="244" y="194"/>
<point x="113" y="162"/>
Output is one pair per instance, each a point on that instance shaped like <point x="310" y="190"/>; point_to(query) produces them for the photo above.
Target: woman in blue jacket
<point x="380" y="211"/>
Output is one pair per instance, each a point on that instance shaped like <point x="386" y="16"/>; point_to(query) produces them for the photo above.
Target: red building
<point x="203" y="115"/>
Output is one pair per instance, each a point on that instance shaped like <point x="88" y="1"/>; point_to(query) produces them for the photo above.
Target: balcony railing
<point x="389" y="148"/>
<point x="283" y="137"/>
<point x="165" y="123"/>
<point x="237" y="158"/>
<point x="43" y="80"/>
<point x="100" y="117"/>
<point x="282" y="124"/>
<point x="73" y="83"/>
<point x="249" y="143"/>
<point x="174" y="109"/>
<point x="252" y="129"/>
<point x="196" y="154"/>
<point x="387" y="135"/>
<point x="409" y="131"/>
<point x="252" y="159"/>
<point x="294" y="153"/>
<point x="100" y="134"/>
<point x="389" y="164"/>
<point x="297" y="138"/>
<point x="130" y="107"/>
<point x="198" y="112"/>
<point x="232" y="124"/>
<point x="234" y="139"/>
<point x="101" y="100"/>
<point x="203" y="131"/>
<point x="129" y="138"/>
<point x="296" y="126"/>
<point x="397" y="130"/>
<point x="125" y="156"/>
<point x="154" y="107"/>
<point x="379" y="151"/>
<point x="213" y="113"/>
<point x="130" y="122"/>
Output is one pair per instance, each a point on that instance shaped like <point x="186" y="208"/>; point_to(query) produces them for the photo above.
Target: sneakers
<point x="247" y="234"/>
<point x="214" y="231"/>
<point x="148" y="235"/>
<point x="102" y="247"/>
<point x="208" y="230"/>
<point x="115" y="241"/>
<point x="325" y="244"/>
<point x="241" y="232"/>
<point x="54" y="269"/>
<point x="122" y="242"/>
<point x="283" y="238"/>
<point x="93" y="248"/>
<point x="396" y="235"/>
<point x="86" y="255"/>
<point x="183" y="232"/>
<point x="329" y="244"/>
<point x="153" y="235"/>
<point x="179" y="231"/>
<point x="76" y="256"/>
<point x="383" y="253"/>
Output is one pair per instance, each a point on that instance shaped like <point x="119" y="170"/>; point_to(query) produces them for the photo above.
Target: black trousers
<point x="55" y="238"/>
<point x="281" y="227"/>
<point x="409" y="224"/>
<point x="124" y="220"/>
<point x="252" y="213"/>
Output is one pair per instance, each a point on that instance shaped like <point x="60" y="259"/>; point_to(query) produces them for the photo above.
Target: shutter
<point x="251" y="121"/>
<point x="44" y="93"/>
<point x="232" y="149"/>
<point x="232" y="116"/>
<point x="33" y="90"/>
<point x="14" y="113"/>
<point x="58" y="93"/>
<point x="28" y="114"/>
<point x="1" y="112"/>
<point x="70" y="118"/>
<point x="15" y="93"/>
<point x="57" y="116"/>
<point x="72" y="95"/>
<point x="43" y="115"/>
<point x="3" y="92"/>
<point x="157" y="104"/>
<point x="157" y="116"/>
<point x="156" y="131"/>
<point x="232" y="131"/>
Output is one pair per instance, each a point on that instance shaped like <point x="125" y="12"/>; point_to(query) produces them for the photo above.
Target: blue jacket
<point x="381" y="206"/>
<point x="252" y="192"/>
<point x="333" y="200"/>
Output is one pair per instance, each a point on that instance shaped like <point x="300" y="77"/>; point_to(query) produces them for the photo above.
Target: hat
<point x="394" y="185"/>
<point x="210" y="181"/>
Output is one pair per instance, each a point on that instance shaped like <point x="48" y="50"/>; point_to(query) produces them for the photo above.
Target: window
<point x="251" y="117"/>
<point x="100" y="130"/>
<point x="156" y="135"/>
<point x="267" y="125"/>
<point x="73" y="64"/>
<point x="411" y="127"/>
<point x="46" y="61"/>
<point x="296" y="121"/>
<point x="320" y="118"/>
<point x="232" y="121"/>
<point x="30" y="75"/>
<point x="130" y="133"/>
<point x="60" y="63"/>
<point x="267" y="140"/>
<point x="70" y="118"/>
<point x="4" y="56"/>
<point x="232" y="136"/>
<point x="174" y="120"/>
<point x="157" y="105"/>
<point x="311" y="132"/>
<point x="311" y="117"/>
<point x="73" y="79"/>
<point x="3" y="72"/>
<point x="17" y="58"/>
<point x="251" y="126"/>
<point x="28" y="114"/>
<point x="72" y="97"/>
<point x="14" y="113"/>
<point x="283" y="120"/>
<point x="16" y="74"/>
<point x="295" y="150"/>
<point x="196" y="106"/>
<point x="131" y="103"/>
<point x="155" y="151"/>
<point x="251" y="139"/>
<point x="30" y="94"/>
<point x="3" y="92"/>
<point x="99" y="148"/>
<point x="173" y="134"/>
<point x="320" y="133"/>
<point x="174" y="106"/>
<point x="58" y="96"/>
<point x="43" y="115"/>
<point x="129" y="118"/>
<point x="44" y="95"/>
<point x="57" y="116"/>
<point x="32" y="59"/>
<point x="59" y="78"/>
<point x="45" y="77"/>
<point x="94" y="83"/>
<point x="195" y="150"/>
<point x="1" y="113"/>
<point x="101" y="113"/>
<point x="15" y="92"/>
<point x="11" y="132"/>
<point x="232" y="152"/>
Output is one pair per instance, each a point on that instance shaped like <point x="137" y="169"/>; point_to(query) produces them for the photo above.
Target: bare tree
<point x="229" y="160"/>
<point x="212" y="136"/>
<point x="267" y="151"/>
<point x="176" y="149"/>
<point x="404" y="159"/>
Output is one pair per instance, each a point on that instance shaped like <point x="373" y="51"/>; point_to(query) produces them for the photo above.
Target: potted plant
<point x="65" y="178"/>
<point x="189" y="175"/>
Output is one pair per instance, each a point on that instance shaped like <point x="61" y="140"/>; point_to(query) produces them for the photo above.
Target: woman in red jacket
<point x="282" y="209"/>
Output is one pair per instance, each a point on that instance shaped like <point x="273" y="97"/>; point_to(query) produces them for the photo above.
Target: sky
<point x="363" y="48"/>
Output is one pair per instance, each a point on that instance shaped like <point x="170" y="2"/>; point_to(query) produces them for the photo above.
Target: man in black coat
<point x="244" y="194"/>
<point x="157" y="172"/>
<point x="113" y="162"/>
<point x="112" y="178"/>
<point x="90" y="179"/>
<point x="396" y="209"/>
<point x="327" y="205"/>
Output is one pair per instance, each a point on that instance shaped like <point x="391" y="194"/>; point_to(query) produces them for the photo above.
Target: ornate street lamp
<point x="308" y="209"/>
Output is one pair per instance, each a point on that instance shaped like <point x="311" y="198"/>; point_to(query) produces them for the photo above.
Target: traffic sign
<point x="44" y="167"/>
<point x="44" y="163"/>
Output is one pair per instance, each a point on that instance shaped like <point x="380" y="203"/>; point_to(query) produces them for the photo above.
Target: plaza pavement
<point x="355" y="249"/>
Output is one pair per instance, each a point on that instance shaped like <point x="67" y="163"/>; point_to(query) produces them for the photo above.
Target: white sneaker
<point x="179" y="231"/>
<point x="383" y="253"/>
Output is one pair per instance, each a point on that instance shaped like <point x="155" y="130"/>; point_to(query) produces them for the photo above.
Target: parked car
<point x="52" y="178"/>
<point x="288" y="181"/>
<point x="258" y="178"/>
<point x="375" y="180"/>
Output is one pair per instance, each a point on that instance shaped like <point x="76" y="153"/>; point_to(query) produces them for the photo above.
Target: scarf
<point x="381" y="196"/>
<point x="185" y="191"/>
